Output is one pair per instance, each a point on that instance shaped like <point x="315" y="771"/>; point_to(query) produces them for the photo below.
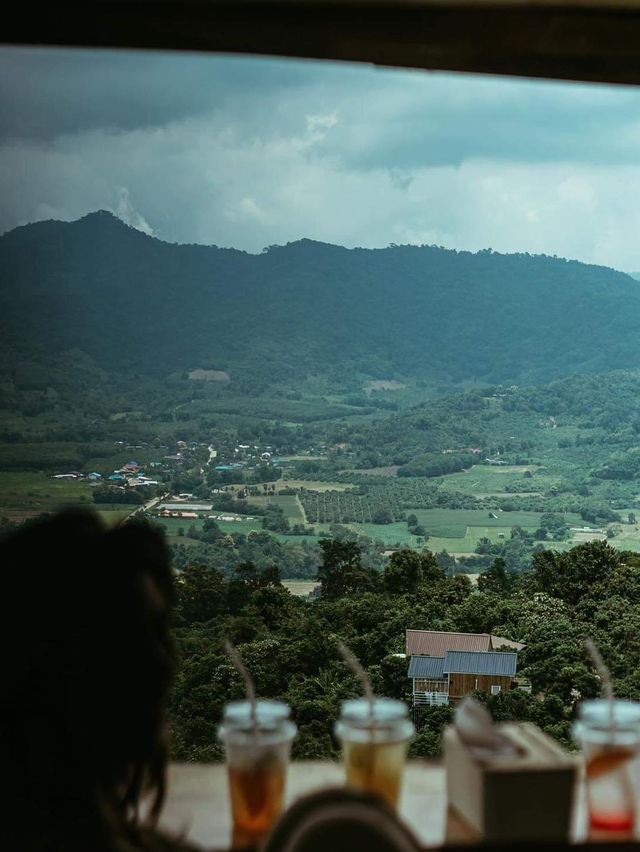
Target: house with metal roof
<point x="446" y="679"/>
<point x="435" y="643"/>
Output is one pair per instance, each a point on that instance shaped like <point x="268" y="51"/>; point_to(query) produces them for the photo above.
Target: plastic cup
<point x="374" y="743"/>
<point x="610" y="741"/>
<point x="257" y="762"/>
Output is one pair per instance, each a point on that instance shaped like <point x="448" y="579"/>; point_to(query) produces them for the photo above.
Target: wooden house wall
<point x="463" y="684"/>
<point x="423" y="684"/>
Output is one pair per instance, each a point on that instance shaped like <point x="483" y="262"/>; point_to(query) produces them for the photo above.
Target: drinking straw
<point x="605" y="677"/>
<point x="354" y="664"/>
<point x="603" y="764"/>
<point x="250" y="686"/>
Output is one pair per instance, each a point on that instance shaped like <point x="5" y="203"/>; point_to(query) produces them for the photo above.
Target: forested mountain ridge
<point x="134" y="303"/>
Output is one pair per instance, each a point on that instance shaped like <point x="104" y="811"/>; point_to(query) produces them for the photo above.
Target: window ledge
<point x="197" y="804"/>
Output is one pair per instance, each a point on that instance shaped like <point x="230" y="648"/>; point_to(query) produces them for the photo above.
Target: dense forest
<point x="290" y="644"/>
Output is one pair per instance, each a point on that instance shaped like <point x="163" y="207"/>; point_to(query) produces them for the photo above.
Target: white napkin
<point x="477" y="731"/>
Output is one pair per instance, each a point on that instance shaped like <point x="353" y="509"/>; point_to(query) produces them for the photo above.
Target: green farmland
<point x="489" y="481"/>
<point x="458" y="531"/>
<point x="27" y="494"/>
<point x="289" y="504"/>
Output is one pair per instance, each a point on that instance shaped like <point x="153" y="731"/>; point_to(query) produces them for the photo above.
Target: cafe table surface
<point x="197" y="804"/>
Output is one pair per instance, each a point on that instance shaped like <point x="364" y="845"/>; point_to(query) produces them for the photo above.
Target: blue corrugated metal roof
<point x="481" y="663"/>
<point x="429" y="667"/>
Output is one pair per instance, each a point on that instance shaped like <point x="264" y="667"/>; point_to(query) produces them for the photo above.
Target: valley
<point x="325" y="409"/>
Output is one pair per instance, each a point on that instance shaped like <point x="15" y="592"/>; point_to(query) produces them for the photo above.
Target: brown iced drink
<point x="257" y="761"/>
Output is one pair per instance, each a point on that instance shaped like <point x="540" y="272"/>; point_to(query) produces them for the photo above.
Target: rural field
<point x="300" y="587"/>
<point x="289" y="503"/>
<point x="28" y="494"/>
<point x="458" y="531"/>
<point x="489" y="481"/>
<point x="313" y="485"/>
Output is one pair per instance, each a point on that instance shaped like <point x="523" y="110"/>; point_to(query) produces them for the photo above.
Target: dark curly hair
<point x="88" y="660"/>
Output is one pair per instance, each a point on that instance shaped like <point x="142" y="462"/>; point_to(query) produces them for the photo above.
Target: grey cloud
<point x="414" y="120"/>
<point x="48" y="92"/>
<point x="246" y="153"/>
<point x="388" y="119"/>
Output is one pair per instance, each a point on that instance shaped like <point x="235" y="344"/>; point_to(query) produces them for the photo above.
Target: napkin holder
<point x="523" y="796"/>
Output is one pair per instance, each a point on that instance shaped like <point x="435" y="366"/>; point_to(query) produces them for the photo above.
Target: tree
<point x="496" y="578"/>
<point x="201" y="594"/>
<point x="382" y="516"/>
<point x="210" y="531"/>
<point x="555" y="660"/>
<point x="275" y="520"/>
<point x="341" y="572"/>
<point x="570" y="575"/>
<point x="407" y="570"/>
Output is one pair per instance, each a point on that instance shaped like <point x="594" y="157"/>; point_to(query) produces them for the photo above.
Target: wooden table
<point x="198" y="801"/>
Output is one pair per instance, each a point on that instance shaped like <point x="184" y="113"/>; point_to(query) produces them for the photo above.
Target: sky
<point x="248" y="152"/>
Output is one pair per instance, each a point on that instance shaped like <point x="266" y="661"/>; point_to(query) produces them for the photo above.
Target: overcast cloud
<point x="249" y="152"/>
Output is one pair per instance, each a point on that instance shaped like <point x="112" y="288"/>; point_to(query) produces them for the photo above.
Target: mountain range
<point x="132" y="303"/>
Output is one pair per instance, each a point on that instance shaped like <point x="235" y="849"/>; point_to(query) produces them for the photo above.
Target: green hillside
<point x="132" y="304"/>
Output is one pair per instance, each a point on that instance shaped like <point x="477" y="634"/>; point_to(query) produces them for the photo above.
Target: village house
<point x="444" y="667"/>
<point x="435" y="643"/>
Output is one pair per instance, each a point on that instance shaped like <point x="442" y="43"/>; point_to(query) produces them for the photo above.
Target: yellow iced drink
<point x="376" y="768"/>
<point x="374" y="742"/>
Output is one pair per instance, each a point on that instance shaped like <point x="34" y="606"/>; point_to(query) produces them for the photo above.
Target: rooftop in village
<point x="436" y="643"/>
<point x="464" y="662"/>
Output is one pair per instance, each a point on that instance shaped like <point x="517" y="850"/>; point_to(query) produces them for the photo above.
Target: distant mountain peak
<point x="106" y="219"/>
<point x="103" y="216"/>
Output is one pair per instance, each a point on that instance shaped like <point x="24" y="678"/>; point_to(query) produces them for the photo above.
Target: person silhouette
<point x="88" y="661"/>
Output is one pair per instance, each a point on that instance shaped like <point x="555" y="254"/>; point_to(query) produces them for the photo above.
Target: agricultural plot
<point x="244" y="527"/>
<point x="485" y="480"/>
<point x="172" y="525"/>
<point x="453" y="523"/>
<point x="392" y="535"/>
<point x="302" y="588"/>
<point x="458" y="531"/>
<point x="289" y="504"/>
<point x="363" y="504"/>
<point x="26" y="494"/>
<point x="313" y="485"/>
<point x="628" y="539"/>
<point x="339" y="507"/>
<point x="116" y="513"/>
<point x="283" y="538"/>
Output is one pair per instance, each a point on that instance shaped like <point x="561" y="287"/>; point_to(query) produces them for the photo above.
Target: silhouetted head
<point x="87" y="664"/>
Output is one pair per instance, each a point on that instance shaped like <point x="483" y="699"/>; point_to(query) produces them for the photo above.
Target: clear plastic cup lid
<point x="386" y="711"/>
<point x="269" y="714"/>
<point x="597" y="713"/>
<point x="388" y="722"/>
<point x="597" y="727"/>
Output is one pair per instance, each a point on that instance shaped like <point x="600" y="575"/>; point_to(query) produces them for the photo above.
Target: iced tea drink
<point x="257" y="762"/>
<point x="374" y="742"/>
<point x="610" y="741"/>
